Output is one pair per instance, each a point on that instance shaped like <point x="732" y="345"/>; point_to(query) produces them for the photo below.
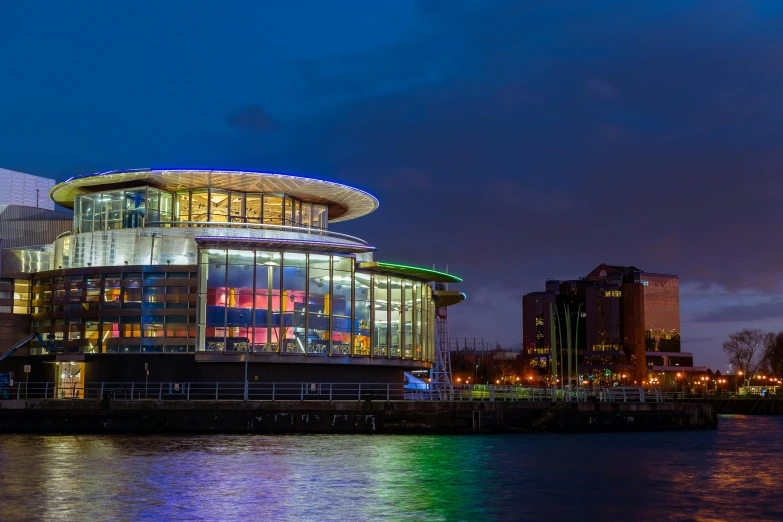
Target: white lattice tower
<point x="441" y="369"/>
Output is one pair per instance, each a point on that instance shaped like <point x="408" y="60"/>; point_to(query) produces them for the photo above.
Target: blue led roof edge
<point x="121" y="171"/>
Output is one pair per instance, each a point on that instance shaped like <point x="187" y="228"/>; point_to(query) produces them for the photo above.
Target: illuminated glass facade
<point x="201" y="271"/>
<point x="118" y="209"/>
<point x="107" y="310"/>
<point x="222" y="206"/>
<point x="310" y="303"/>
<point x="135" y="208"/>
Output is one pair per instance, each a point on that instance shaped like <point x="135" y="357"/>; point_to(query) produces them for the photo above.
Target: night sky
<point x="513" y="141"/>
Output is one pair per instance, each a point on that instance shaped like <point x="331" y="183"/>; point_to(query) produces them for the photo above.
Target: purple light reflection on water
<point x="734" y="472"/>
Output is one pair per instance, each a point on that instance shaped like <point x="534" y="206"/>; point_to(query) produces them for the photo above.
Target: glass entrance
<point x="70" y="380"/>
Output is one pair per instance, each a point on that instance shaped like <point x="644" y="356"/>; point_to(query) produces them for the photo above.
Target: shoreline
<point x="368" y="417"/>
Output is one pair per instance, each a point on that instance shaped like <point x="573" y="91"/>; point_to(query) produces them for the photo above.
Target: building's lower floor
<point x="86" y="370"/>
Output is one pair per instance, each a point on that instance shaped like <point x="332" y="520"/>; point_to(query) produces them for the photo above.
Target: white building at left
<point x="26" y="190"/>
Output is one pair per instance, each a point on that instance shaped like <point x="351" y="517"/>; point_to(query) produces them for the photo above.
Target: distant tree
<point x="774" y="357"/>
<point x="747" y="350"/>
<point x="502" y="364"/>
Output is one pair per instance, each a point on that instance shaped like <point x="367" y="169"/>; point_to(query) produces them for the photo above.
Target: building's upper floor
<point x="204" y="198"/>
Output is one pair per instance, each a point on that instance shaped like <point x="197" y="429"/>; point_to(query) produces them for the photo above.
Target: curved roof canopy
<point x="448" y="297"/>
<point x="407" y="270"/>
<point x="344" y="202"/>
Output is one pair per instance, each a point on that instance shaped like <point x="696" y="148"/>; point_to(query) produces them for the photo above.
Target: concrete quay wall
<point x="745" y="406"/>
<point x="428" y="417"/>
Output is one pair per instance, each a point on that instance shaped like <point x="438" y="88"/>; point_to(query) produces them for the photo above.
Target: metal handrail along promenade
<point x="330" y="391"/>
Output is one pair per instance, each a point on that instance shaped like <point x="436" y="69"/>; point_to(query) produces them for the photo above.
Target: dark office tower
<point x="634" y="327"/>
<point x="662" y="312"/>
<point x="602" y="305"/>
<point x="629" y="322"/>
<point x="536" y="325"/>
<point x="552" y="285"/>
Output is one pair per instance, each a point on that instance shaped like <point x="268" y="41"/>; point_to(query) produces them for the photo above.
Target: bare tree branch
<point x="749" y="350"/>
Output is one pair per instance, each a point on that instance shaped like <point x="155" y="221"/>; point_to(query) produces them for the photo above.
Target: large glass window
<point x="166" y="206"/>
<point x="82" y="222"/>
<point x="293" y="303"/>
<point x="239" y="299"/>
<point x="395" y="309"/>
<point x="253" y="208"/>
<point x="417" y="335"/>
<point x="380" y="336"/>
<point x="297" y="213"/>
<point x="184" y="205"/>
<point x="218" y="205"/>
<point x="135" y="208"/>
<point x="216" y="300"/>
<point x="236" y="206"/>
<point x="273" y="210"/>
<point x="266" y="331"/>
<point x="318" y="218"/>
<point x="428" y="322"/>
<point x="408" y="314"/>
<point x="153" y="205"/>
<point x="363" y="309"/>
<point x="319" y="304"/>
<point x="199" y="205"/>
<point x="288" y="212"/>
<point x="118" y="209"/>
<point x="342" y="290"/>
<point x="298" y="303"/>
<point x="306" y="215"/>
<point x="112" y="207"/>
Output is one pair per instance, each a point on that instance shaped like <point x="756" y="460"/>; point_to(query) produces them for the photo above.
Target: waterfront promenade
<point x="341" y="408"/>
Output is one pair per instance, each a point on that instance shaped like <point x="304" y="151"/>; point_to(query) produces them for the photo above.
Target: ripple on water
<point x="731" y="473"/>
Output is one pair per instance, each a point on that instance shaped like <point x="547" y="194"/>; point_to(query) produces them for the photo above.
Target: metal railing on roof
<point x="255" y="226"/>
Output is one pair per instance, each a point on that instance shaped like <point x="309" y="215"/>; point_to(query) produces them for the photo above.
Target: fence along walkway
<point x="299" y="391"/>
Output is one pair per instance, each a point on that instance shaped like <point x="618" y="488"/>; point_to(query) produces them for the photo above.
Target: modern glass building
<point x="191" y="271"/>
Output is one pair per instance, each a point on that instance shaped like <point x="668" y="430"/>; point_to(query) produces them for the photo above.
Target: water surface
<point x="731" y="473"/>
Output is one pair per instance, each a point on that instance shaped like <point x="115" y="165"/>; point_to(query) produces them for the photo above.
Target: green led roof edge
<point x="451" y="278"/>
